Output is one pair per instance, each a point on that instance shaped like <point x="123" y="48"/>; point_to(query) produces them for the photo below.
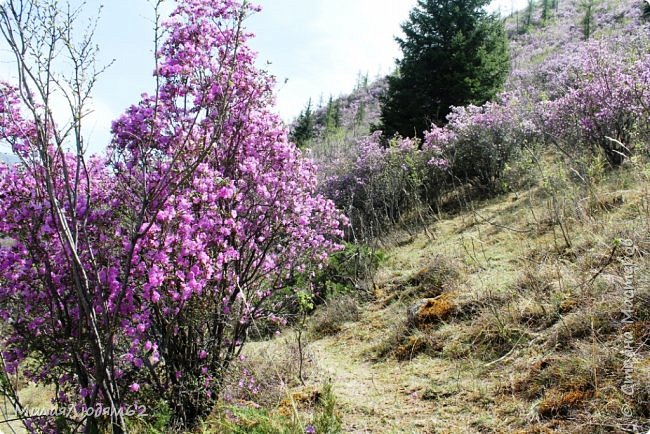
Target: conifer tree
<point x="529" y="15"/>
<point x="360" y="115"/>
<point x="454" y="53"/>
<point x="546" y="10"/>
<point x="362" y="82"/>
<point x="587" y="6"/>
<point x="332" y="115"/>
<point x="304" y="129"/>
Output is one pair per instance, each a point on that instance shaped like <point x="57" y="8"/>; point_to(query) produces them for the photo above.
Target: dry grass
<point x="330" y="318"/>
<point x="271" y="372"/>
<point x="561" y="404"/>
<point x="301" y="399"/>
<point x="515" y="322"/>
<point x="411" y="347"/>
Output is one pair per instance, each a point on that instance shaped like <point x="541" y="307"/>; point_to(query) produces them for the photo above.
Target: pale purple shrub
<point x="606" y="97"/>
<point x="383" y="183"/>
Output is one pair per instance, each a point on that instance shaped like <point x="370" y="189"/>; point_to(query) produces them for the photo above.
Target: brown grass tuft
<point x="435" y="277"/>
<point x="413" y="346"/>
<point x="330" y="319"/>
<point x="559" y="404"/>
<point x="300" y="399"/>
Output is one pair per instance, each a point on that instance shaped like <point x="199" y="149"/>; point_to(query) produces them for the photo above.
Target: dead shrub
<point x="329" y="319"/>
<point x="435" y="277"/>
<point x="267" y="372"/>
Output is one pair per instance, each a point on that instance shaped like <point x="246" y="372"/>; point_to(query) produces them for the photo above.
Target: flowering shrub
<point x="561" y="90"/>
<point x="382" y="183"/>
<point x="379" y="184"/>
<point x="583" y="92"/>
<point x="607" y="97"/>
<point x="477" y="142"/>
<point x="136" y="276"/>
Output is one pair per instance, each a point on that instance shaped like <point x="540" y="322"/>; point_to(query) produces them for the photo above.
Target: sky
<point x="315" y="48"/>
<point x="320" y="46"/>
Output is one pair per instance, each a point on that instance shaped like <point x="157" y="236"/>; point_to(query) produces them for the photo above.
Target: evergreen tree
<point x="304" y="130"/>
<point x="454" y="53"/>
<point x="332" y="115"/>
<point x="529" y="14"/>
<point x="337" y="113"/>
<point x="517" y="21"/>
<point x="362" y="82"/>
<point x="360" y="115"/>
<point x="546" y="10"/>
<point x="587" y="6"/>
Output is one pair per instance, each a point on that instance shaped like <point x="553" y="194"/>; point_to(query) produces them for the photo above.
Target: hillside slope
<point x="532" y="52"/>
<point x="493" y="321"/>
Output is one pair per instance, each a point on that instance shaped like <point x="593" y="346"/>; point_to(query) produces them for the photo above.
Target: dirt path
<point x="375" y="398"/>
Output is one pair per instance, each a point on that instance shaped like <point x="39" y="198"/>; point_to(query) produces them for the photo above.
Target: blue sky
<point x="317" y="46"/>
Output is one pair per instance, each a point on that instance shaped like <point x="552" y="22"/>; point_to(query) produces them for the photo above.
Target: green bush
<point x="327" y="419"/>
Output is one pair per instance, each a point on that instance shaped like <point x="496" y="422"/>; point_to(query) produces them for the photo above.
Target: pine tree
<point x="332" y="115"/>
<point x="587" y="6"/>
<point x="337" y="114"/>
<point x="454" y="53"/>
<point x="360" y="115"/>
<point x="517" y="21"/>
<point x="362" y="82"/>
<point x="546" y="10"/>
<point x="529" y="14"/>
<point x="304" y="129"/>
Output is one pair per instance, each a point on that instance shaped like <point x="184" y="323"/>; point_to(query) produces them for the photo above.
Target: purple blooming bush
<point x="604" y="105"/>
<point x="135" y="276"/>
<point x="381" y="184"/>
<point x="387" y="181"/>
<point x="478" y="142"/>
